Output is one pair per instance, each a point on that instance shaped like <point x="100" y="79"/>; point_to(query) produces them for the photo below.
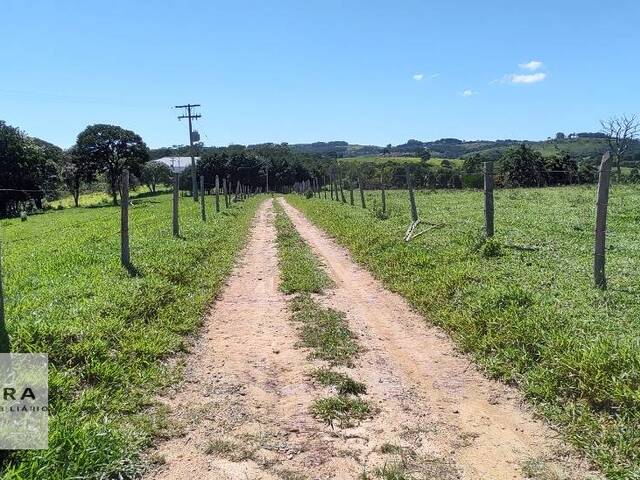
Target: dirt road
<point x="243" y="411"/>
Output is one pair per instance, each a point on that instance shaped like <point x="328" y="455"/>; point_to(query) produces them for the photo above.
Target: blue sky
<point x="298" y="71"/>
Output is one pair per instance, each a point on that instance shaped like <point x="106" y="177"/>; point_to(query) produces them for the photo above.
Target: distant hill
<point x="582" y="145"/>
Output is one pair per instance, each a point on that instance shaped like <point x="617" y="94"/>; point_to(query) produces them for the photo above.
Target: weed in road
<point x="344" y="384"/>
<point x="340" y="408"/>
<point x="325" y="331"/>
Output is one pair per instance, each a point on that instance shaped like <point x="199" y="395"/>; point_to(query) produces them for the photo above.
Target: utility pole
<point x="190" y="116"/>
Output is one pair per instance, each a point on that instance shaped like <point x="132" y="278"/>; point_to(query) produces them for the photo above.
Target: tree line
<point x="34" y="170"/>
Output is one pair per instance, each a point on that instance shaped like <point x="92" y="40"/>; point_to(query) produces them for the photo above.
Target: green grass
<point x="525" y="306"/>
<point x="299" y="268"/>
<point x="106" y="332"/>
<point x="341" y="409"/>
<point x="344" y="384"/>
<point x="325" y="331"/>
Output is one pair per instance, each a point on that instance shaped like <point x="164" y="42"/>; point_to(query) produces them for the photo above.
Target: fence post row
<point x="599" y="276"/>
<point x="217" y="194"/>
<point x="344" y="200"/>
<point x="176" y="199"/>
<point x="412" y="199"/>
<point x="488" y="199"/>
<point x="125" y="259"/>
<point x="203" y="212"/>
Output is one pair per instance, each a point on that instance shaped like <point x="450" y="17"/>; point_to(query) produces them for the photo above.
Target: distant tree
<point x="446" y="163"/>
<point x="154" y="174"/>
<point x="30" y="169"/>
<point x="561" y="169"/>
<point x="634" y="175"/>
<point x="522" y="167"/>
<point x="473" y="163"/>
<point x="112" y="149"/>
<point x="76" y="171"/>
<point x="425" y="155"/>
<point x="620" y="133"/>
<point x="587" y="171"/>
<point x="560" y="136"/>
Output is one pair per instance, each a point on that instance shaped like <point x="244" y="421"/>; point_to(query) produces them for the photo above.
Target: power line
<point x="190" y="116"/>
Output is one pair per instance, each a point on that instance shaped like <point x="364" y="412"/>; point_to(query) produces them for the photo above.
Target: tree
<point x="30" y="169"/>
<point x="425" y="155"/>
<point x="561" y="169"/>
<point x="112" y="149"/>
<point x="560" y="136"/>
<point x="620" y="133"/>
<point x="75" y="172"/>
<point x="155" y="173"/>
<point x="522" y="167"/>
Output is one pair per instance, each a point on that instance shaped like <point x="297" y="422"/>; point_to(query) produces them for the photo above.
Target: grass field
<point x="106" y="332"/>
<point x="523" y="305"/>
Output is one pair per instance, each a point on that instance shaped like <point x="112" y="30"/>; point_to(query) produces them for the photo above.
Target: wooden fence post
<point x="125" y="259"/>
<point x="362" y="202"/>
<point x="217" y="194"/>
<point x="4" y="337"/>
<point x="324" y="186"/>
<point x="331" y="186"/>
<point x="604" y="181"/>
<point x="351" y="192"/>
<point x="412" y="199"/>
<point x="176" y="199"/>
<point x="384" y="197"/>
<point x="488" y="199"/>
<point x="203" y="212"/>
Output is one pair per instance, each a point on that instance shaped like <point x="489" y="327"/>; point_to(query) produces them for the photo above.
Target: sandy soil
<point x="242" y="412"/>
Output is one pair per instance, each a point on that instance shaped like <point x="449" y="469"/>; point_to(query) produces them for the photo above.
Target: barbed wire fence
<point x="242" y="192"/>
<point x="334" y="184"/>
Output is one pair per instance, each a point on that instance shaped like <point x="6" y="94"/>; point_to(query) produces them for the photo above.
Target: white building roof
<point x="177" y="164"/>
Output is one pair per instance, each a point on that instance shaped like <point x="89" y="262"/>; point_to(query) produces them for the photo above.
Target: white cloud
<point x="434" y="75"/>
<point x="533" y="65"/>
<point x="468" y="93"/>
<point x="527" y="78"/>
<point x="418" y="76"/>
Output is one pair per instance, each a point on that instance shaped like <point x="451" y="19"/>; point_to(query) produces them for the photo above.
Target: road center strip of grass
<point x="529" y="315"/>
<point x="323" y="330"/>
<point x="107" y="333"/>
<point x="300" y="270"/>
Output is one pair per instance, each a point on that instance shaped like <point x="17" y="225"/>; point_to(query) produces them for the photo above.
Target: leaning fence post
<point x="4" y="336"/>
<point x="488" y="199"/>
<point x="124" y="220"/>
<point x="602" y="201"/>
<point x="362" y="202"/>
<point x="176" y="192"/>
<point x="203" y="212"/>
<point x="351" y="192"/>
<point x="217" y="194"/>
<point x="412" y="199"/>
